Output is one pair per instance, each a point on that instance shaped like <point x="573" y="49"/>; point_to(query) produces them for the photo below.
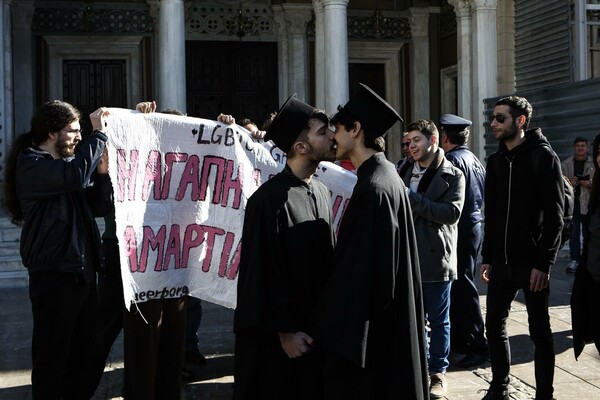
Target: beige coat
<point x="568" y="170"/>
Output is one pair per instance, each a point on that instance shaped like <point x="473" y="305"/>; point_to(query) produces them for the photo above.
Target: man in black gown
<point x="371" y="315"/>
<point x="287" y="248"/>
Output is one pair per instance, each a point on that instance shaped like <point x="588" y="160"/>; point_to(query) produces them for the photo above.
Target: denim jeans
<point x="504" y="284"/>
<point x="580" y="225"/>
<point x="436" y="300"/>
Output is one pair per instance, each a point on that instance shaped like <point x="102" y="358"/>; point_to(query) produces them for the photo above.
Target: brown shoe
<point x="438" y="387"/>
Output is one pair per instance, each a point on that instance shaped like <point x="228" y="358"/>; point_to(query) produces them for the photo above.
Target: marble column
<point x="23" y="72"/>
<point x="171" y="55"/>
<point x="419" y="65"/>
<point x="319" y="54"/>
<point x="336" y="50"/>
<point x="462" y="9"/>
<point x="485" y="66"/>
<point x="282" y="53"/>
<point x="297" y="17"/>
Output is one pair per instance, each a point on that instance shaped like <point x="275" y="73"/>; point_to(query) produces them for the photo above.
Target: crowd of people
<point x="372" y="312"/>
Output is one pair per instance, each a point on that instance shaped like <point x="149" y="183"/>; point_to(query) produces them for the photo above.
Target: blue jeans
<point x="579" y="221"/>
<point x="436" y="300"/>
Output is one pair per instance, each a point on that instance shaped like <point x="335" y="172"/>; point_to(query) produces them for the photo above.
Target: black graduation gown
<point x="286" y="256"/>
<point x="371" y="314"/>
<point x="585" y="310"/>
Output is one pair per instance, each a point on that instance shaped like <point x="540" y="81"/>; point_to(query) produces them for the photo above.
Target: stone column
<point x="23" y="73"/>
<point x="419" y="65"/>
<point x="319" y="54"/>
<point x="506" y="47"/>
<point x="282" y="53"/>
<point x="297" y="17"/>
<point x="485" y="66"/>
<point x="336" y="50"/>
<point x="171" y="55"/>
<point x="462" y="9"/>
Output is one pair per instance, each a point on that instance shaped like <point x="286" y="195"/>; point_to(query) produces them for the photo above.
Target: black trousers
<point x="63" y="322"/>
<point x="504" y="284"/>
<point x="109" y="314"/>
<point x="153" y="346"/>
<point x="467" y="332"/>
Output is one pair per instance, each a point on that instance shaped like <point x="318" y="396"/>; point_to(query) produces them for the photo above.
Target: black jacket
<point x="60" y="199"/>
<point x="523" y="205"/>
<point x="474" y="173"/>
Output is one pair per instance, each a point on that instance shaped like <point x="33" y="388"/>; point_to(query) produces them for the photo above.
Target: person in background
<point x="579" y="168"/>
<point x="287" y="246"/>
<point x="154" y="338"/>
<point x="467" y="333"/>
<point x="436" y="190"/>
<point x="55" y="184"/>
<point x="407" y="157"/>
<point x="585" y="313"/>
<point x="371" y="312"/>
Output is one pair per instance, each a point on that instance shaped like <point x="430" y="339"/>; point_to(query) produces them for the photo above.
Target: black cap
<point x="289" y="122"/>
<point x="451" y="122"/>
<point x="374" y="113"/>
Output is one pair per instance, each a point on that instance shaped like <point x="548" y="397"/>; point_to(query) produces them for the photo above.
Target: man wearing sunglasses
<point x="524" y="201"/>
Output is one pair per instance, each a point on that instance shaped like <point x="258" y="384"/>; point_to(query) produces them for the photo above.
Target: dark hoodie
<point x="523" y="205"/>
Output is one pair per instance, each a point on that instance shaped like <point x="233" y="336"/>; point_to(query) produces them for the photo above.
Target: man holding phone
<point x="578" y="169"/>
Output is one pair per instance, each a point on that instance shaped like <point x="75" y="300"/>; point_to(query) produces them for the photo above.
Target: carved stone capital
<point x="484" y="4"/>
<point x="297" y="17"/>
<point x="419" y="22"/>
<point x="462" y="8"/>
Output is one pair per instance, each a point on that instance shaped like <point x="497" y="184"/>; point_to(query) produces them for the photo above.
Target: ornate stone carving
<point x="87" y="17"/>
<point x="365" y="24"/>
<point x="230" y="20"/>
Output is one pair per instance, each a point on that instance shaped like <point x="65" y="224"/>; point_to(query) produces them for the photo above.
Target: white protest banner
<point x="180" y="187"/>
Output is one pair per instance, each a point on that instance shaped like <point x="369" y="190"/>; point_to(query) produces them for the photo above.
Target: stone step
<point x="14" y="279"/>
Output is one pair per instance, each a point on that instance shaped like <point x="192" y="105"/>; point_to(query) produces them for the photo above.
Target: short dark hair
<point x="425" y="126"/>
<point x="580" y="139"/>
<point x="303" y="135"/>
<point x="457" y="137"/>
<point x="346" y="119"/>
<point x="518" y="106"/>
<point x="246" y="121"/>
<point x="172" y="111"/>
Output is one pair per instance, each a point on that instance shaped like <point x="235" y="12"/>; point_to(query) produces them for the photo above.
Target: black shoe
<point x="194" y="357"/>
<point x="472" y="360"/>
<point x="495" y="394"/>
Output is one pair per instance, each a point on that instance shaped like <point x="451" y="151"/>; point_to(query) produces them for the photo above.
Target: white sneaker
<point x="572" y="267"/>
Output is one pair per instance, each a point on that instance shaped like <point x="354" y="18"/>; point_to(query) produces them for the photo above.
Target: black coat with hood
<point x="523" y="205"/>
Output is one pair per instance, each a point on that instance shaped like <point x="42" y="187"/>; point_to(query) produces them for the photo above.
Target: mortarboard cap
<point x="374" y="113"/>
<point x="291" y="119"/>
<point x="451" y="122"/>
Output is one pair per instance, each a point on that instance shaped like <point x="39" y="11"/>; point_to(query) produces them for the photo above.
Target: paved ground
<point x="573" y="379"/>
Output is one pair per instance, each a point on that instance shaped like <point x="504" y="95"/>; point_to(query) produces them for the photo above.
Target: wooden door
<point x="89" y="84"/>
<point x="237" y="78"/>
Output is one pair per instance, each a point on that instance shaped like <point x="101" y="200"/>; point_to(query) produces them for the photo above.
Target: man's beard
<point x="321" y="155"/>
<point x="64" y="150"/>
<point x="508" y="134"/>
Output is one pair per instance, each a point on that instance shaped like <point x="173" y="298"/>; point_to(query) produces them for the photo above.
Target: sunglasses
<point x="498" y="117"/>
